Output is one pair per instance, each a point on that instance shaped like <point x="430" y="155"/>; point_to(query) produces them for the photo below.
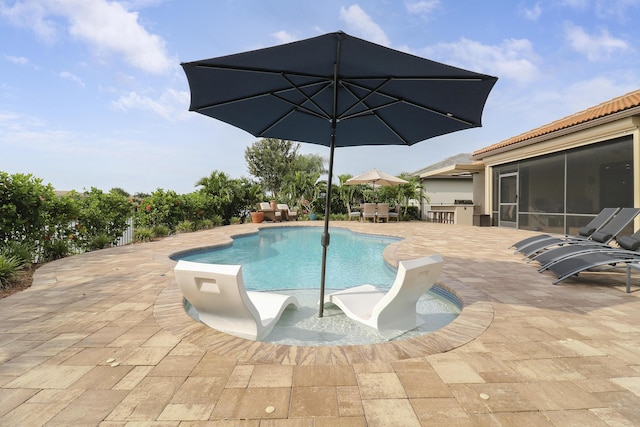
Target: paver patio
<point x="102" y="339"/>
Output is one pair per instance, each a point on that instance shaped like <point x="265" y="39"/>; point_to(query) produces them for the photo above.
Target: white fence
<point x="127" y="236"/>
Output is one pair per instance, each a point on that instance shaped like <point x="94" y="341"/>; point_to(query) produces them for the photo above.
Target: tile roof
<point x="615" y="105"/>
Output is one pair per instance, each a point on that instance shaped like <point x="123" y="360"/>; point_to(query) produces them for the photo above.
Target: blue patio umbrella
<point x="339" y="91"/>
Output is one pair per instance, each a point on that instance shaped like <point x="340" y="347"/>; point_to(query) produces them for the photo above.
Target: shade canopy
<point x="337" y="90"/>
<point x="376" y="178"/>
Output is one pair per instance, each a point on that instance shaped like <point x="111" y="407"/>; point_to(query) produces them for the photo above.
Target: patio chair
<point x="604" y="234"/>
<point x="394" y="312"/>
<point x="269" y="214"/>
<point x="369" y="212"/>
<point x="354" y="214"/>
<point x="287" y="214"/>
<point x="395" y="214"/>
<point x="583" y="232"/>
<point x="382" y="212"/>
<point x="218" y="293"/>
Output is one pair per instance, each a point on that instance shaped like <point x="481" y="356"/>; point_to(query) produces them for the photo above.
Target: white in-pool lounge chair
<point x="394" y="312"/>
<point x="218" y="293"/>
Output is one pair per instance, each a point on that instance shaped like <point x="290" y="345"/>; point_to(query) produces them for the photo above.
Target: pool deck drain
<point x="102" y="339"/>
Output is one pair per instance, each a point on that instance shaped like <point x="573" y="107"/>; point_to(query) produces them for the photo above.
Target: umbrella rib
<point x="309" y="98"/>
<point x="257" y="95"/>
<point x="396" y="100"/>
<point x="264" y="71"/>
<point x="364" y="98"/>
<point x="298" y="107"/>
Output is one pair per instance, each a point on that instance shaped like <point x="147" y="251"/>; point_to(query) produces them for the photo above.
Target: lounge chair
<point x="395" y="214"/>
<point x="287" y="214"/>
<point x="392" y="313"/>
<point x="269" y="214"/>
<point x="603" y="235"/>
<point x="218" y="293"/>
<point x="382" y="212"/>
<point x="552" y="256"/>
<point x="572" y="266"/>
<point x="583" y="232"/>
<point x="369" y="212"/>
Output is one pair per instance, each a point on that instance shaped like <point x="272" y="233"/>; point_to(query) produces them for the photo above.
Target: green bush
<point x="9" y="267"/>
<point x="23" y="251"/>
<point x="143" y="234"/>
<point x="205" y="224"/>
<point x="101" y="241"/>
<point x="55" y="249"/>
<point x="160" y="230"/>
<point x="185" y="226"/>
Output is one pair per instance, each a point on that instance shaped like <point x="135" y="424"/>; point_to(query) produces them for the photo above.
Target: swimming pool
<point x="288" y="259"/>
<point x="291" y="257"/>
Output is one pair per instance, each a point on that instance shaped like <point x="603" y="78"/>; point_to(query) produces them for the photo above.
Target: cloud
<point x="362" y="24"/>
<point x="534" y="13"/>
<point x="424" y="7"/>
<point x="171" y="105"/>
<point x="618" y="9"/>
<point x="69" y="76"/>
<point x="283" y="37"/>
<point x="33" y="15"/>
<point x="20" y="60"/>
<point x="596" y="47"/>
<point x="107" y="27"/>
<point x="512" y="59"/>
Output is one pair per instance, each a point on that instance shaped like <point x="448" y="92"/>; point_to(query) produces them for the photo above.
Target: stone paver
<point x="102" y="339"/>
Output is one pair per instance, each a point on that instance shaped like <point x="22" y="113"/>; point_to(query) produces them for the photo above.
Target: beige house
<point x="557" y="177"/>
<point x="452" y="185"/>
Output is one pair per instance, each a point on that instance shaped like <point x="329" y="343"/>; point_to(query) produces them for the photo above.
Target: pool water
<point x="291" y="258"/>
<point x="287" y="259"/>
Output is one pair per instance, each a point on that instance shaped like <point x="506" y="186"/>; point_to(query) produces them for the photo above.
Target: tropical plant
<point x="185" y="226"/>
<point x="143" y="234"/>
<point x="160" y="230"/>
<point x="9" y="267"/>
<point x="229" y="197"/>
<point x="23" y="251"/>
<point x="55" y="249"/>
<point x="100" y="241"/>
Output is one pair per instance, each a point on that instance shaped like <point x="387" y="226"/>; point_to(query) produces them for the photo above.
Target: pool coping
<point x="475" y="317"/>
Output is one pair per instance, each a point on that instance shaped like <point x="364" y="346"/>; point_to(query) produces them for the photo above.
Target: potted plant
<point x="257" y="217"/>
<point x="307" y="208"/>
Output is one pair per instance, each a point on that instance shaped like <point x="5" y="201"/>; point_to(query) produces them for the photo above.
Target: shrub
<point x="101" y="241"/>
<point x="217" y="220"/>
<point x="143" y="234"/>
<point x="185" y="226"/>
<point x="160" y="230"/>
<point x="23" y="251"/>
<point x="9" y="266"/>
<point x="55" y="249"/>
<point x="205" y="224"/>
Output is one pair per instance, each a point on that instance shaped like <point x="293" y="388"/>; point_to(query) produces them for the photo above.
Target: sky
<point x="92" y="93"/>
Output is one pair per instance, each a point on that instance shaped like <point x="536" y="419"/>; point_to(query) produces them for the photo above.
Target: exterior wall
<point x="445" y="191"/>
<point x="580" y="138"/>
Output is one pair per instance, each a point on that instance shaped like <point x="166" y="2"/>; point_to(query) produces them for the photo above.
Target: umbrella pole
<point x="325" y="233"/>
<point x="327" y="204"/>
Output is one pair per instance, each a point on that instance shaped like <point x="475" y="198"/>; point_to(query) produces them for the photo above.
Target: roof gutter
<point x="560" y="132"/>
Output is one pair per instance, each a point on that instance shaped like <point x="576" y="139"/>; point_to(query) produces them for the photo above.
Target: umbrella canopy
<point x="337" y="90"/>
<point x="376" y="177"/>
